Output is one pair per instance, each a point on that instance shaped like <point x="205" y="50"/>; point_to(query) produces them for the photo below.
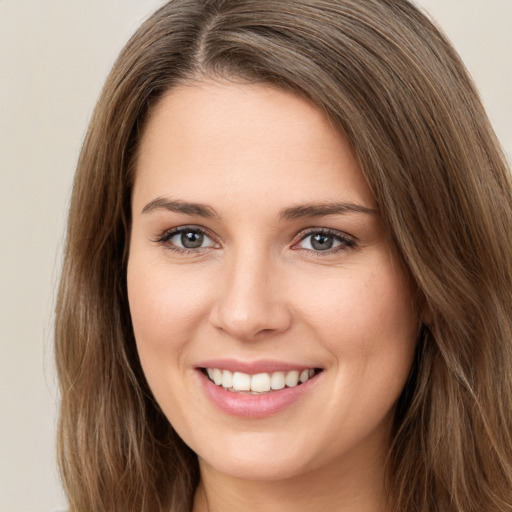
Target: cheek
<point x="367" y="321"/>
<point x="166" y="309"/>
<point x="374" y="305"/>
<point x="369" y="325"/>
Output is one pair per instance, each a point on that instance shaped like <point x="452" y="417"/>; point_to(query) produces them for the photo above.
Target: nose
<point x="252" y="299"/>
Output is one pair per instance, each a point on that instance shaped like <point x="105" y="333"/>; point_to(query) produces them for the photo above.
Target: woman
<point x="288" y="276"/>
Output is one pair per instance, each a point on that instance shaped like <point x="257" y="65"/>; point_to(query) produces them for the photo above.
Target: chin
<point x="262" y="456"/>
<point x="265" y="468"/>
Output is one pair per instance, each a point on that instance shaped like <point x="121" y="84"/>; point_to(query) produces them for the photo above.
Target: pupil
<point x="321" y="242"/>
<point x="192" y="240"/>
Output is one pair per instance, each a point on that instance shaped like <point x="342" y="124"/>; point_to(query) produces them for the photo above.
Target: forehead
<point x="236" y="139"/>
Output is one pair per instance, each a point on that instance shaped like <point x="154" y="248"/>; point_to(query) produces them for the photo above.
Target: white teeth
<point x="260" y="382"/>
<point x="227" y="379"/>
<point x="241" y="381"/>
<point x="217" y="376"/>
<point x="277" y="380"/>
<point x="292" y="379"/>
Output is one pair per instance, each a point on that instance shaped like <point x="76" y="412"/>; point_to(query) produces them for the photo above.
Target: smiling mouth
<point x="259" y="383"/>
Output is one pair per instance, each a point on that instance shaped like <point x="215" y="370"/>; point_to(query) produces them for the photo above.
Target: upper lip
<point x="254" y="367"/>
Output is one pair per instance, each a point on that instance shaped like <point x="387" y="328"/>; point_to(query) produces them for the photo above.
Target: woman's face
<point x="273" y="323"/>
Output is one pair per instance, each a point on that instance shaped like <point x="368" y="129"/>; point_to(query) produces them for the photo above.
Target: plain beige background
<point x="54" y="57"/>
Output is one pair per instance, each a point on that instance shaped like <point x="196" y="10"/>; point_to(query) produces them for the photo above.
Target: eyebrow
<point x="311" y="211"/>
<point x="198" y="209"/>
<point x="307" y="211"/>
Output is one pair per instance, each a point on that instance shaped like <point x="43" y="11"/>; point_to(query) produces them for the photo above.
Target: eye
<point x="186" y="239"/>
<point x="325" y="240"/>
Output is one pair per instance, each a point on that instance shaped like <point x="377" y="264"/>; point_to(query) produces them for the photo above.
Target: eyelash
<point x="345" y="241"/>
<point x="165" y="238"/>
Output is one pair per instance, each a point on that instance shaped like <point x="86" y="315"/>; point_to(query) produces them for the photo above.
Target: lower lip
<point x="246" y="405"/>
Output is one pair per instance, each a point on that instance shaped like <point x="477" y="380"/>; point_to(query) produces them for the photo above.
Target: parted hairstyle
<point x="386" y="76"/>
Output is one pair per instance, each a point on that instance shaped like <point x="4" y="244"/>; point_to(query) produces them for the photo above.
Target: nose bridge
<point x="252" y="299"/>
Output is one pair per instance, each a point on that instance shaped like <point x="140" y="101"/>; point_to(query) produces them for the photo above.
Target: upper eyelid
<point x="346" y="240"/>
<point x="327" y="231"/>
<point x="168" y="233"/>
<point x="165" y="238"/>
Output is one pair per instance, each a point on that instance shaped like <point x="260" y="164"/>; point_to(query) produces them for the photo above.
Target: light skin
<point x="255" y="236"/>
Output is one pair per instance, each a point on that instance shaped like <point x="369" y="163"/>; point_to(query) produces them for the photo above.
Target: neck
<point x="340" y="488"/>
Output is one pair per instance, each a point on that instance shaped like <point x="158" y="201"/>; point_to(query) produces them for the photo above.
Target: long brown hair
<point x="385" y="76"/>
